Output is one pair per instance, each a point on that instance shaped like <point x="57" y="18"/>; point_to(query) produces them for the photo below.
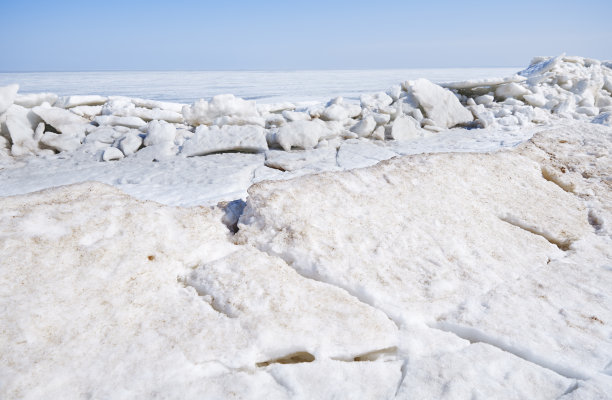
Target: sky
<point x="296" y="35"/>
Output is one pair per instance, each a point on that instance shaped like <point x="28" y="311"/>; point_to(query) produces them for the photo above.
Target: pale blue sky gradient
<point x="287" y="35"/>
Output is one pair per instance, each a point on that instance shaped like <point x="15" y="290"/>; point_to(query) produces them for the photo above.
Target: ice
<point x="439" y="104"/>
<point x="320" y="159"/>
<point x="7" y="96"/>
<point x="159" y="132"/>
<point x="73" y="101"/>
<point x="20" y="123"/>
<point x="63" y="121"/>
<point x="205" y="112"/>
<point x="248" y="138"/>
<point x="511" y="90"/>
<point x="60" y="142"/>
<point x="376" y="254"/>
<point x="130" y="143"/>
<point x="175" y="311"/>
<point x="112" y="120"/>
<point x="112" y="153"/>
<point x="419" y="188"/>
<point x="405" y="128"/>
<point x="31" y="100"/>
<point x="303" y="134"/>
<point x="365" y="127"/>
<point x="88" y="112"/>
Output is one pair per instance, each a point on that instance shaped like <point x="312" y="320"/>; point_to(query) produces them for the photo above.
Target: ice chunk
<point x="20" y="123"/>
<point x="7" y="96"/>
<point x="482" y="83"/>
<point x="296" y="116"/>
<point x="405" y="128"/>
<point x="335" y="112"/>
<point x="511" y="90"/>
<point x="485" y="99"/>
<point x="112" y="153"/>
<point x="60" y="142"/>
<point x="73" y="101"/>
<point x="247" y="138"/>
<point x="541" y="65"/>
<point x="303" y="134"/>
<point x="87" y="111"/>
<point x="365" y="127"/>
<point x="205" y="112"/>
<point x="536" y="100"/>
<point x="376" y="100"/>
<point x="130" y="122"/>
<point x="130" y="143"/>
<point x="31" y="100"/>
<point x="63" y="121"/>
<point x="158" y="132"/>
<point x="439" y="104"/>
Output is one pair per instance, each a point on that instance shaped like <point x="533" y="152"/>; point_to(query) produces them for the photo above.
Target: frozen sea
<point x="263" y="86"/>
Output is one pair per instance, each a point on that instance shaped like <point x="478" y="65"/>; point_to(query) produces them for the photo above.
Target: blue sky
<point x="277" y="35"/>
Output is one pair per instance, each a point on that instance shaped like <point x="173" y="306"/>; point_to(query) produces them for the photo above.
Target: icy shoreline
<point x="195" y="146"/>
<point x="111" y="128"/>
<point x="423" y="261"/>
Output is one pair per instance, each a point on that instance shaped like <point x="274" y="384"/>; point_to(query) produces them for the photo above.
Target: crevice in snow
<point x="473" y="335"/>
<point x="573" y="387"/>
<point x="551" y="177"/>
<point x="561" y="244"/>
<point x="293" y="358"/>
<point x="386" y="354"/>
<point x="404" y="371"/>
<point x="232" y="211"/>
<point x="209" y="299"/>
<point x="595" y="221"/>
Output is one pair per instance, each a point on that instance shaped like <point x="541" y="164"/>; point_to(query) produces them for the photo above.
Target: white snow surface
<point x="318" y="251"/>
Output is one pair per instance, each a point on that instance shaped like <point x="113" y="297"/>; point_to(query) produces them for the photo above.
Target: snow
<point x="302" y="134"/>
<point x="438" y="104"/>
<point x="7" y="96"/>
<point x="224" y="139"/>
<point x="352" y="248"/>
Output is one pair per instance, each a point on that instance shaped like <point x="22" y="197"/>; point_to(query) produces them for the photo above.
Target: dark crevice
<point x="561" y="244"/>
<point x="208" y="298"/>
<point x="293" y="358"/>
<point x="232" y="210"/>
<point x="595" y="221"/>
<point x="572" y="388"/>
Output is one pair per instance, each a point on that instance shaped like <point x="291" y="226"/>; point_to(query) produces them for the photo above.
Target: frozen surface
<point x="382" y="245"/>
<point x="265" y="86"/>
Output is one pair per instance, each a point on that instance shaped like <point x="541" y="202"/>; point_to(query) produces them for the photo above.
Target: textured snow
<point x="376" y="253"/>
